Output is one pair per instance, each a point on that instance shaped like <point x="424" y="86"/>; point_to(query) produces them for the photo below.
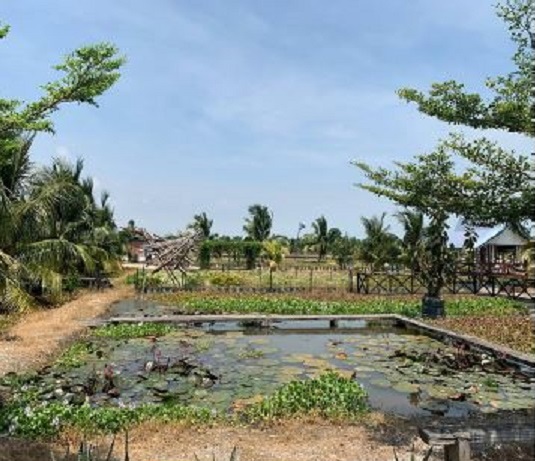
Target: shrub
<point x="71" y="283"/>
<point x="193" y="281"/>
<point x="225" y="279"/>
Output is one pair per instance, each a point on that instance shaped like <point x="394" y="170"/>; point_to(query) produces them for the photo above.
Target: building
<point x="136" y="245"/>
<point x="495" y="245"/>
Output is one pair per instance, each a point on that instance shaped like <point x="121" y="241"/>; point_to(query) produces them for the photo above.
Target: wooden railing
<point x="493" y="284"/>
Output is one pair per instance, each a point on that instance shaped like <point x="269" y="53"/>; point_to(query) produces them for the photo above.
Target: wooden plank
<point x="459" y="451"/>
<point x="246" y="317"/>
<point x="485" y="435"/>
<point x="192" y="319"/>
<point x="442" y="438"/>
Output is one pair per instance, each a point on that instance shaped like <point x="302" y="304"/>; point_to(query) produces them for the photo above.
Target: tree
<point x="343" y="249"/>
<point x="258" y="224"/>
<point x="274" y="251"/>
<point x="49" y="221"/>
<point x="202" y="224"/>
<point x="323" y="237"/>
<point x="495" y="187"/>
<point x="413" y="240"/>
<point x="320" y="230"/>
<point x="380" y="246"/>
<point x="510" y="105"/>
<point x="434" y="186"/>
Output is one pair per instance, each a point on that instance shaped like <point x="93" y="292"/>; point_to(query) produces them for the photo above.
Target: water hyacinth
<point x="330" y="396"/>
<point x="313" y="304"/>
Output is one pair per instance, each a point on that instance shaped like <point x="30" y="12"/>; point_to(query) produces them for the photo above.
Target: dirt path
<point x="288" y="441"/>
<point x="41" y="334"/>
<point x="291" y="441"/>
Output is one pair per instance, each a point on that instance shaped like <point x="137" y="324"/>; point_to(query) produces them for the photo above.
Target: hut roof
<point x="500" y="235"/>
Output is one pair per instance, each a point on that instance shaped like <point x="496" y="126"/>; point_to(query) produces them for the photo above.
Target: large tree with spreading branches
<point x="495" y="187"/>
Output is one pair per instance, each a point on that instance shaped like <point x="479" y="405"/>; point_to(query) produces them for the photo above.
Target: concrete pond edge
<point x="441" y="334"/>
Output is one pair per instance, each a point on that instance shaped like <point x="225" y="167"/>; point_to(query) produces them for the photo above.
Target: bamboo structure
<point x="172" y="255"/>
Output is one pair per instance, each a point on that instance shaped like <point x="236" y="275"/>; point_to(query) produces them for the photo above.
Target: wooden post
<point x="270" y="278"/>
<point x="459" y="451"/>
<point x="350" y="285"/>
<point x="310" y="281"/>
<point x="143" y="287"/>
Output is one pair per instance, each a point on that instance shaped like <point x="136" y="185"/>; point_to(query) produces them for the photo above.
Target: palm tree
<point x="380" y="246"/>
<point x="343" y="249"/>
<point x="258" y="224"/>
<point x="320" y="230"/>
<point x="203" y="224"/>
<point x="413" y="237"/>
<point x="52" y="227"/>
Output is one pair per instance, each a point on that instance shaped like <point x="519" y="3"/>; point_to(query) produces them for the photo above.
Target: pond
<point x="226" y="365"/>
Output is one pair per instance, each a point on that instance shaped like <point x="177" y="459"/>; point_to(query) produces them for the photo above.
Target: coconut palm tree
<point x="413" y="240"/>
<point x="380" y="246"/>
<point x="55" y="228"/>
<point x="48" y="219"/>
<point x="320" y="230"/>
<point x="258" y="224"/>
<point x="203" y="224"/>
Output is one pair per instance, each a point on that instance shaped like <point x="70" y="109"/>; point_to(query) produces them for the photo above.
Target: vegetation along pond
<point x="225" y="366"/>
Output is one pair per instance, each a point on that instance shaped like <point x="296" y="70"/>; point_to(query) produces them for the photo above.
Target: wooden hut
<point x="500" y="246"/>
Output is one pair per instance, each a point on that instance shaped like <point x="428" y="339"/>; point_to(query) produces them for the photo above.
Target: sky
<point x="223" y="104"/>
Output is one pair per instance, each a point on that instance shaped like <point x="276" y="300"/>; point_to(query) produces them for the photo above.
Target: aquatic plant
<point x="189" y="303"/>
<point x="250" y="352"/>
<point x="330" y="396"/>
<point x="75" y="355"/>
<point x="45" y="420"/>
<point x="133" y="330"/>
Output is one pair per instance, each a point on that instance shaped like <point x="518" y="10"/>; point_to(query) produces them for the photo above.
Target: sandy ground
<point x="41" y="334"/>
<point x="290" y="441"/>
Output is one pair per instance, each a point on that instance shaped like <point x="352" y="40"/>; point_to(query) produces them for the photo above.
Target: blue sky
<point x="223" y="104"/>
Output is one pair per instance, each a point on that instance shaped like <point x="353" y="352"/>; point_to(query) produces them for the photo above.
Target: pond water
<point x="227" y="365"/>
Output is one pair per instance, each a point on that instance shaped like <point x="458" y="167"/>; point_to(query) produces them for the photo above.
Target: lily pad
<point x="406" y="388"/>
<point x="381" y="383"/>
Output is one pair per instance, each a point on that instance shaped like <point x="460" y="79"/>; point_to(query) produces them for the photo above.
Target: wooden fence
<point x="509" y="285"/>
